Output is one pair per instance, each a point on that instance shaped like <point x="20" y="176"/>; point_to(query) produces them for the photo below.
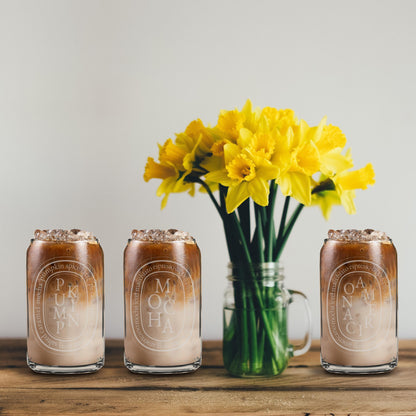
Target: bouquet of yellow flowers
<point x="241" y="163"/>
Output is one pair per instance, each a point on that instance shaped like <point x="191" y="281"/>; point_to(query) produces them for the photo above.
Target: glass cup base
<point x="374" y="369"/>
<point x="57" y="369"/>
<point x="152" y="369"/>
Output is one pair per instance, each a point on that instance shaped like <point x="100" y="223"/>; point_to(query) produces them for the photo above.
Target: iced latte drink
<point x="65" y="294"/>
<point x="162" y="293"/>
<point x="358" y="302"/>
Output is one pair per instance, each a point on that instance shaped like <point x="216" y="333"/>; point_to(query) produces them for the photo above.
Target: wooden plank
<point x="305" y="379"/>
<point x="161" y="402"/>
<point x="304" y="388"/>
<point x="13" y="352"/>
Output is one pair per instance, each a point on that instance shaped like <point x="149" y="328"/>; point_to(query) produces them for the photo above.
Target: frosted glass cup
<point x="162" y="298"/>
<point x="358" y="302"/>
<point x="65" y="301"/>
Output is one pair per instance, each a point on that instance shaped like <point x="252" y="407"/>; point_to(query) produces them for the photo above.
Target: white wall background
<point x="87" y="89"/>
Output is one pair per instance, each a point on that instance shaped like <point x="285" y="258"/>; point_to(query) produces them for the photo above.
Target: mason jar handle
<point x="304" y="346"/>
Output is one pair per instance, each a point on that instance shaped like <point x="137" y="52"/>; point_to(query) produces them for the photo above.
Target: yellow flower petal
<point x="194" y="128"/>
<point x="357" y="179"/>
<point x="297" y="185"/>
<point x="213" y="163"/>
<point x="246" y="138"/>
<point x="219" y="176"/>
<point x="259" y="191"/>
<point x="347" y="201"/>
<point x="166" y="186"/>
<point x="217" y="149"/>
<point x="315" y="133"/>
<point x="307" y="159"/>
<point x="332" y="138"/>
<point x="231" y="151"/>
<point x="157" y="170"/>
<point x="280" y="119"/>
<point x="170" y="153"/>
<point x="333" y="162"/>
<point x="236" y="195"/>
<point x="282" y="157"/>
<point x="203" y="136"/>
<point x="230" y="123"/>
<point x="326" y="200"/>
<point x="250" y="117"/>
<point x="267" y="170"/>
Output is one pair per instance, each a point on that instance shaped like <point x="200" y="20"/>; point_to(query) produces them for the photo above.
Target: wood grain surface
<point x="303" y="389"/>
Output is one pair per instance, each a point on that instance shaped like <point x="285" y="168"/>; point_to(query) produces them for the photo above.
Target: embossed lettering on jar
<point x="65" y="302"/>
<point x="358" y="302"/>
<point x="162" y="302"/>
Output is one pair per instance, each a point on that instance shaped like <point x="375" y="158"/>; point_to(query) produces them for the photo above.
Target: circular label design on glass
<point x="65" y="307"/>
<point x="359" y="312"/>
<point x="162" y="305"/>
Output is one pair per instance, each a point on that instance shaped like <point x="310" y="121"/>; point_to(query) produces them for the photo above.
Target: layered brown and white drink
<point x="65" y="295"/>
<point x="162" y="292"/>
<point x="358" y="302"/>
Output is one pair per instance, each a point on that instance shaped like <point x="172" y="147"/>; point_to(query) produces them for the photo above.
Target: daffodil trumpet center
<point x="241" y="168"/>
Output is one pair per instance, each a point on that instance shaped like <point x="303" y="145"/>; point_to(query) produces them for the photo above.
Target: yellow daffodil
<point x="248" y="148"/>
<point x="357" y="179"/>
<point x="330" y="142"/>
<point x="231" y="122"/>
<point x="246" y="175"/>
<point x="340" y="189"/>
<point x="171" y="154"/>
<point x="155" y="170"/>
<point x="198" y="137"/>
<point x="298" y="158"/>
<point x="280" y="119"/>
<point x="261" y="143"/>
<point x="180" y="161"/>
<point x="172" y="179"/>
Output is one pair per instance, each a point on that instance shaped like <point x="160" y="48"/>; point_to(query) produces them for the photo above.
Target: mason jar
<point x="256" y="303"/>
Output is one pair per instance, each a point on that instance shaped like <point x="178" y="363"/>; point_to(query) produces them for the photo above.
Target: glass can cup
<point x="65" y="301"/>
<point x="162" y="299"/>
<point x="256" y="303"/>
<point x="358" y="302"/>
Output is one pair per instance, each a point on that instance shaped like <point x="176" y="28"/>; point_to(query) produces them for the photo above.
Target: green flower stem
<point x="261" y="346"/>
<point x="248" y="306"/>
<point x="239" y="236"/>
<point x="260" y="237"/>
<point x="244" y="215"/>
<point x="254" y="361"/>
<point x="283" y="218"/>
<point x="270" y="241"/>
<point x="239" y="291"/>
<point x="270" y="222"/>
<point x="254" y="250"/>
<point x="288" y="229"/>
<point x="220" y="210"/>
<point x="258" y="299"/>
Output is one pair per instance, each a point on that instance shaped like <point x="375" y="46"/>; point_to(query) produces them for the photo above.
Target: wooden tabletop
<point x="303" y="389"/>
